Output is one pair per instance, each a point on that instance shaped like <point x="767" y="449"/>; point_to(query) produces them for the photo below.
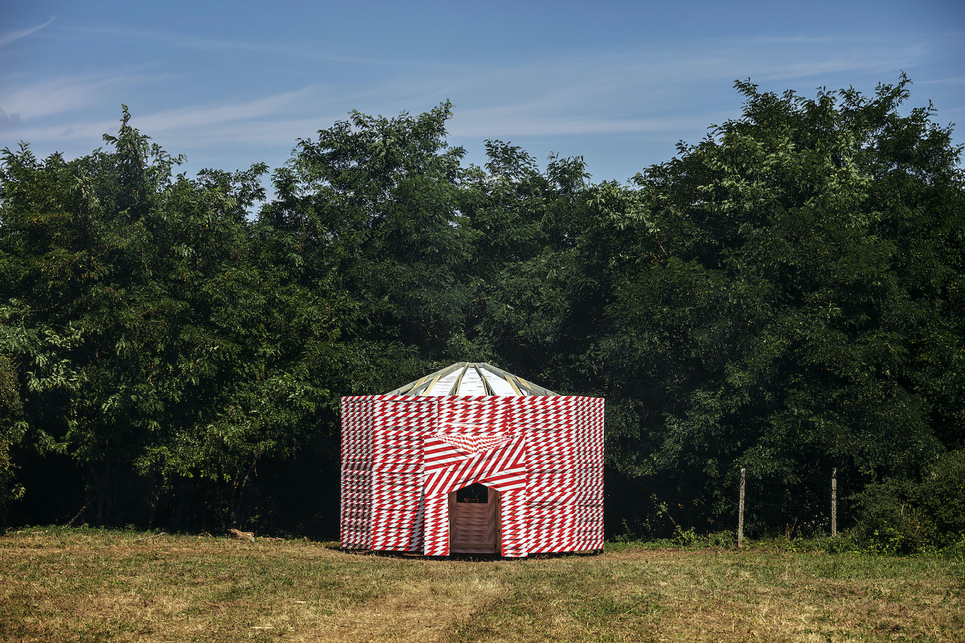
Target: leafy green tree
<point x="786" y="296"/>
<point x="902" y="515"/>
<point x="11" y="430"/>
<point x="145" y="332"/>
<point x="535" y="297"/>
<point x="797" y="272"/>
<point x="371" y="210"/>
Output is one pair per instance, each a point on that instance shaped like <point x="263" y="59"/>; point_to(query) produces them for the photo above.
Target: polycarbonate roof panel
<point x="442" y="386"/>
<point x="472" y="383"/>
<point x="499" y="385"/>
<point x="471" y="378"/>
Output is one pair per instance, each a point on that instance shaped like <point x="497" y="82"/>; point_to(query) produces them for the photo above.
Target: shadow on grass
<point x="475" y="558"/>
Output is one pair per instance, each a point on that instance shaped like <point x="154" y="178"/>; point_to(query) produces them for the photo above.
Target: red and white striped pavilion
<point x="472" y="459"/>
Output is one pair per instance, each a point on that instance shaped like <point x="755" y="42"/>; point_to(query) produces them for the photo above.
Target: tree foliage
<point x="785" y="296"/>
<point x="372" y="204"/>
<point x="146" y="333"/>
<point x="796" y="300"/>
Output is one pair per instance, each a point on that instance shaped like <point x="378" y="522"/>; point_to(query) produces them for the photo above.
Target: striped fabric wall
<point x="403" y="455"/>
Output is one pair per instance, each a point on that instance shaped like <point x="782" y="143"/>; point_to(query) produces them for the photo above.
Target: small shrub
<point x="685" y="537"/>
<point x="903" y="516"/>
<point x="890" y="522"/>
<point x="942" y="494"/>
<point x="722" y="539"/>
<point x="838" y="544"/>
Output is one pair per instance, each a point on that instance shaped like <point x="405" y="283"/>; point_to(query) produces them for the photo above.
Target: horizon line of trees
<point x="785" y="296"/>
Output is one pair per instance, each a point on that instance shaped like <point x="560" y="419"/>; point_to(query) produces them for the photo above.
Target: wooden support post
<point x="740" y="513"/>
<point x="834" y="502"/>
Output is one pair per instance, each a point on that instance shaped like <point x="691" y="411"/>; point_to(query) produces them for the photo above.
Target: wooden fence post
<point x="834" y="502"/>
<point x="740" y="514"/>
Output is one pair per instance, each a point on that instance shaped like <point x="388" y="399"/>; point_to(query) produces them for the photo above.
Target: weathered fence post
<point x="834" y="502"/>
<point x="740" y="514"/>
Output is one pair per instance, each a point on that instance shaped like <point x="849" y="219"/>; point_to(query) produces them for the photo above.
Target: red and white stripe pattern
<point x="356" y="457"/>
<point x="402" y="456"/>
<point x="397" y="471"/>
<point x="447" y="468"/>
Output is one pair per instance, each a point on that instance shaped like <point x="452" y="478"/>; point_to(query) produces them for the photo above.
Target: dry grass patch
<point x="85" y="585"/>
<point x="422" y="610"/>
<point x="727" y="596"/>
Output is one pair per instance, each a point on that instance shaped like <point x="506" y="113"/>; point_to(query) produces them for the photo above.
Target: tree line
<point x="786" y="296"/>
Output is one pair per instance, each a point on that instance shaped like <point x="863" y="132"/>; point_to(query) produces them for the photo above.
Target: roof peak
<point x="471" y="378"/>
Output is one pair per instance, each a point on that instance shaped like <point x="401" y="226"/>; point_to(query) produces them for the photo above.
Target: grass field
<point x="92" y="585"/>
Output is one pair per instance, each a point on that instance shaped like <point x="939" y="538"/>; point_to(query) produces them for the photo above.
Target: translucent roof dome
<point x="471" y="378"/>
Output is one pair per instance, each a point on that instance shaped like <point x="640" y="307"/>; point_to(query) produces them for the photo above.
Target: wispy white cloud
<point x="666" y="91"/>
<point x="206" y="116"/>
<point x="77" y="131"/>
<point x="496" y="123"/>
<point x="957" y="80"/>
<point x="641" y="90"/>
<point x="7" y="38"/>
<point x="597" y="93"/>
<point x="9" y="120"/>
<point x="302" y="49"/>
<point x="67" y="93"/>
<point x="263" y="121"/>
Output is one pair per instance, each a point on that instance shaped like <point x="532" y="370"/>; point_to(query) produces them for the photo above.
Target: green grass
<point x="93" y="585"/>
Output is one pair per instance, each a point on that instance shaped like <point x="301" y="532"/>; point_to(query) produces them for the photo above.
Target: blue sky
<point x="229" y="84"/>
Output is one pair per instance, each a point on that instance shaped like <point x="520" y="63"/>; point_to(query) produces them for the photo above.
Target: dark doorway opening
<point x="473" y="493"/>
<point x="474" y="520"/>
